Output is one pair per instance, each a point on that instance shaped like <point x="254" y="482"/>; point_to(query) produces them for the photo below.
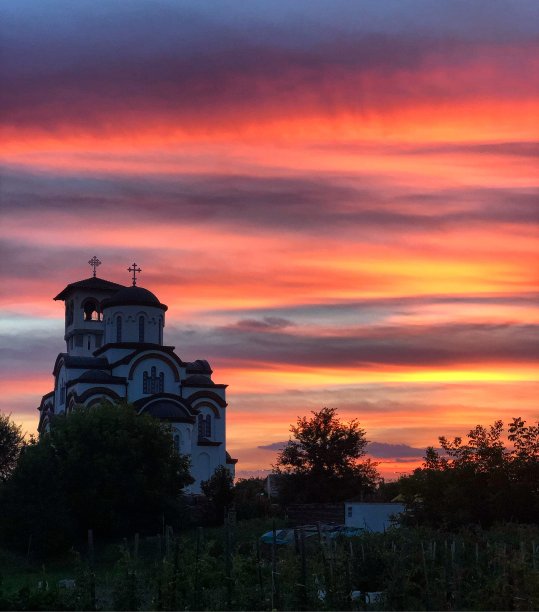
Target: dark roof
<point x="71" y="361"/>
<point x="229" y="458"/>
<point x="198" y="380"/>
<point x="93" y="283"/>
<point x="200" y="366"/>
<point x="99" y="376"/>
<point x="134" y="296"/>
<point x="170" y="410"/>
<point x="206" y="442"/>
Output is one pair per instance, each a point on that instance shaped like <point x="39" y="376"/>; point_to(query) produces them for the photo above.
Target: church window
<point x="160" y="330"/>
<point x="200" y="425"/>
<point x="153" y="382"/>
<point x="118" y="328"/>
<point x="69" y="312"/>
<point x="177" y="442"/>
<point x="141" y="329"/>
<point x="63" y="394"/>
<point x="204" y="426"/>
<point x="145" y="385"/>
<point x="91" y="311"/>
<point x="89" y="342"/>
<point x="79" y="339"/>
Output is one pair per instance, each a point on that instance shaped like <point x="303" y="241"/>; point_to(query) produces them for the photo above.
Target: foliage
<point x="479" y="481"/>
<point x="103" y="468"/>
<point x="410" y="568"/>
<point x="322" y="462"/>
<point x="219" y="489"/>
<point x="11" y="444"/>
<point x="250" y="498"/>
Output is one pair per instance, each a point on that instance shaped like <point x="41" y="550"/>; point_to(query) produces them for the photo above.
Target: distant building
<point x="115" y="351"/>
<point x="372" y="516"/>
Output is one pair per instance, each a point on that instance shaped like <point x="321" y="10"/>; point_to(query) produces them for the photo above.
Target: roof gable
<point x="93" y="283"/>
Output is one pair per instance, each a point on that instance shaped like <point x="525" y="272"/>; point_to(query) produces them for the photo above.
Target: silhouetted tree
<point x="219" y="489"/>
<point x="104" y="468"/>
<point x="322" y="462"/>
<point x="11" y="444"/>
<point x="479" y="481"/>
<point x="250" y="498"/>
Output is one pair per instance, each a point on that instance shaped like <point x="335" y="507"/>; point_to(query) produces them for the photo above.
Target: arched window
<point x="118" y="328"/>
<point x="153" y="382"/>
<point x="141" y="328"/>
<point x="204" y="426"/>
<point x="177" y="442"/>
<point x="145" y="383"/>
<point x="200" y="422"/>
<point x="91" y="310"/>
<point x="160" y="330"/>
<point x="69" y="312"/>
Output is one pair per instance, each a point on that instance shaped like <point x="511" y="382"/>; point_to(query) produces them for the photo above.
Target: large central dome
<point x="134" y="296"/>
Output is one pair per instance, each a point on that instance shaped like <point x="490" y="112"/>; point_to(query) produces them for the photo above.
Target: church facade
<point x="115" y="351"/>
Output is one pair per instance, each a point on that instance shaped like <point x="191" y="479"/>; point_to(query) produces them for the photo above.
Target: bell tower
<point x="84" y="327"/>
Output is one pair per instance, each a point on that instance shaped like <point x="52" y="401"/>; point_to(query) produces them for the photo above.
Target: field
<point x="228" y="568"/>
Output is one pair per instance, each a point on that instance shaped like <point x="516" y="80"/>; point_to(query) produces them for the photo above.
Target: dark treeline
<point x="481" y="481"/>
<point x="469" y="537"/>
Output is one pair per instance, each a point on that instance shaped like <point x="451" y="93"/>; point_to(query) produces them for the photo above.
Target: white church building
<point x="115" y="351"/>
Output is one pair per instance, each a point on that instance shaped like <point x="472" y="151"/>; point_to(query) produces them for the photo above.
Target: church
<point x="115" y="351"/>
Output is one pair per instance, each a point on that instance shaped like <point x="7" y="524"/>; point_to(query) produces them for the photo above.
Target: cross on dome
<point x="134" y="269"/>
<point x="94" y="262"/>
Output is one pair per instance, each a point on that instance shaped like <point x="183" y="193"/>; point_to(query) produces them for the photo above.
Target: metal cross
<point x="94" y="262"/>
<point x="134" y="269"/>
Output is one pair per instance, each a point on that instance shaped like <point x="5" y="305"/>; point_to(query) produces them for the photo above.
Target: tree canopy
<point x="11" y="444"/>
<point x="481" y="480"/>
<point x="103" y="468"/>
<point x="322" y="461"/>
<point x="219" y="489"/>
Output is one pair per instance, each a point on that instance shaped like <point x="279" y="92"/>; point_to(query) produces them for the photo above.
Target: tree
<point x="250" y="498"/>
<point x="479" y="481"/>
<point x="11" y="444"/>
<point x="322" y="462"/>
<point x="219" y="489"/>
<point x="103" y="468"/>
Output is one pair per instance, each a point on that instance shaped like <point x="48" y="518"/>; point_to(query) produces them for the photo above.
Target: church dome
<point x="134" y="296"/>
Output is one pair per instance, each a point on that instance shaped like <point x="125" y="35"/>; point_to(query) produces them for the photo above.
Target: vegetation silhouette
<point x="481" y="481"/>
<point x="104" y="468"/>
<point x="324" y="462"/>
<point x="11" y="445"/>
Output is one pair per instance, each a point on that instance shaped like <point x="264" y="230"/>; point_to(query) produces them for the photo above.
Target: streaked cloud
<point x="338" y="202"/>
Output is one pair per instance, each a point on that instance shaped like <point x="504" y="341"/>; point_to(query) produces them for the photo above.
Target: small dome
<point x="99" y="376"/>
<point x="167" y="409"/>
<point x="133" y="296"/>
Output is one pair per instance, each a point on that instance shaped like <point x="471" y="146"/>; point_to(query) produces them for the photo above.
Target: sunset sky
<point x="336" y="199"/>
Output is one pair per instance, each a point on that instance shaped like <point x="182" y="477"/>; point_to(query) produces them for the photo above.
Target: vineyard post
<point x="259" y="570"/>
<point x="197" y="556"/>
<point x="274" y="581"/>
<point x="91" y="547"/>
<point x="228" y="563"/>
<point x="426" y="574"/>
<point x="304" y="602"/>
